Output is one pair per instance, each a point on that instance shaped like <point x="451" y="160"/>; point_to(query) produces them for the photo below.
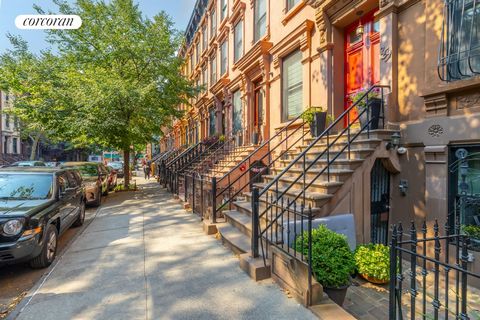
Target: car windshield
<point x="115" y="165"/>
<point x="15" y="186"/>
<point x="88" y="170"/>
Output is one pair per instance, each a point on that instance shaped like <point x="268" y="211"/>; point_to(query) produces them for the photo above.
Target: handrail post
<point x="255" y="222"/>
<point x="214" y="199"/>
<point x="193" y="193"/>
<point x="185" y="186"/>
<point x="393" y="274"/>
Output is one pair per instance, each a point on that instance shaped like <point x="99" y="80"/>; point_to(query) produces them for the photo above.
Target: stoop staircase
<point x="303" y="180"/>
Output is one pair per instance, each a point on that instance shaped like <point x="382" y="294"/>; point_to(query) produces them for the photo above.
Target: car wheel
<point x="81" y="215"/>
<point x="49" y="249"/>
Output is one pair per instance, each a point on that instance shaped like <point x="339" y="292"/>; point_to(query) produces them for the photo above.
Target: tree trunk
<point x="33" y="152"/>
<point x="126" y="167"/>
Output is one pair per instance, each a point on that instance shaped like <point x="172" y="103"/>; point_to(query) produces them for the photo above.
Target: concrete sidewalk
<point x="144" y="257"/>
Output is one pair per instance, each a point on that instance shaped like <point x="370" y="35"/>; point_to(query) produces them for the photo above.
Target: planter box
<point x="318" y="125"/>
<point x="374" y="109"/>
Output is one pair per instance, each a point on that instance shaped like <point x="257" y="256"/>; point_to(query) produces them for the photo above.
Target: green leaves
<point x="373" y="260"/>
<point x="332" y="260"/>
<point x="114" y="82"/>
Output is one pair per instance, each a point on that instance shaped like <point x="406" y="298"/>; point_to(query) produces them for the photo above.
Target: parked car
<point x="118" y="167"/>
<point x="112" y="178"/>
<point x="37" y="205"/>
<point x="52" y="164"/>
<point x="28" y="164"/>
<point x="95" y="175"/>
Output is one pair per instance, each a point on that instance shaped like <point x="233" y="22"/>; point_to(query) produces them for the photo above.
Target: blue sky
<point x="179" y="10"/>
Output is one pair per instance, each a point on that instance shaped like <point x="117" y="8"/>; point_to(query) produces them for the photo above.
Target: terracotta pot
<point x="374" y="280"/>
<point x="337" y="294"/>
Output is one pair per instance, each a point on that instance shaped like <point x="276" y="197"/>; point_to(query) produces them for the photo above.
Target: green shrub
<point x="307" y="116"/>
<point x="472" y="231"/>
<point x="332" y="259"/>
<point x="373" y="260"/>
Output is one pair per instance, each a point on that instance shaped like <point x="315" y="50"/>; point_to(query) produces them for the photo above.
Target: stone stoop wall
<point x="354" y="195"/>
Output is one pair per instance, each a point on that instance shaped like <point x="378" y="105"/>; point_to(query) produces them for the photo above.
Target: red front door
<point x="362" y="57"/>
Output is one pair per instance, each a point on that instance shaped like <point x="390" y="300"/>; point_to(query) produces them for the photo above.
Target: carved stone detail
<point x="436" y="105"/>
<point x="276" y="61"/>
<point x="435" y="130"/>
<point x="468" y="101"/>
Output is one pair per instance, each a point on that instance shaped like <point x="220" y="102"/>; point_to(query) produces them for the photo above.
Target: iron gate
<point x="379" y="203"/>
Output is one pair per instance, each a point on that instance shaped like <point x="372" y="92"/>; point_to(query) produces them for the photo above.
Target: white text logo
<point x="32" y="21"/>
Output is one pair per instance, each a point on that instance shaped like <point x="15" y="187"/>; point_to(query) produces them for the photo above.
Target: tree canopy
<point x="115" y="81"/>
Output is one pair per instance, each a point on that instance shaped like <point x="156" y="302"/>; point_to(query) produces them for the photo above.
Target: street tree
<point x="123" y="73"/>
<point x="36" y="83"/>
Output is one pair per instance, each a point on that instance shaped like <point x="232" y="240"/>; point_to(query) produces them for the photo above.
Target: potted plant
<point x="474" y="233"/>
<point x="370" y="117"/>
<point x="316" y="117"/>
<point x="332" y="261"/>
<point x="373" y="262"/>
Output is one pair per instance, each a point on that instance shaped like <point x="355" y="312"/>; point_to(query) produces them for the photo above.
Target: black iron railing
<point x="294" y="133"/>
<point x="170" y="179"/>
<point x="331" y="136"/>
<point x="426" y="281"/>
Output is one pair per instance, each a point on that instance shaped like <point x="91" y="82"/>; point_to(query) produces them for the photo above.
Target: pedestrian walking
<point x="147" y="169"/>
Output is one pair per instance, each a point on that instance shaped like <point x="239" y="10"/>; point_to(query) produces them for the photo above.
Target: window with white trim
<point x="260" y="27"/>
<point x="292" y="85"/>
<point x="204" y="37"/>
<point x="238" y="41"/>
<point x="223" y="9"/>
<point x="213" y="23"/>
<point x="224" y="57"/>
<point x="213" y="70"/>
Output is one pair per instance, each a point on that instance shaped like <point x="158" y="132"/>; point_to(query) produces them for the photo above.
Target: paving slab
<point x="145" y="257"/>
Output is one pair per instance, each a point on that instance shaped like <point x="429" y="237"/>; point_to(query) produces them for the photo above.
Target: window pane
<point x="463" y="39"/>
<point x="260" y="19"/>
<point x="238" y="40"/>
<point x="292" y="3"/>
<point x="223" y="58"/>
<point x="213" y="70"/>
<point x="292" y="85"/>
<point x="237" y="112"/>
<point x="224" y="7"/>
<point x="211" y="121"/>
<point x="204" y="37"/>
<point x="213" y="24"/>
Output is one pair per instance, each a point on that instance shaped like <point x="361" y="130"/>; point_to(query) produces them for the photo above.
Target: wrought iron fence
<point x="426" y="281"/>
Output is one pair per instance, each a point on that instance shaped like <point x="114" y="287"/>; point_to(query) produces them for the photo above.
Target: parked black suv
<point x="37" y="204"/>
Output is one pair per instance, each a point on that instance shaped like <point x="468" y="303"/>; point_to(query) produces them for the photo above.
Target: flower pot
<point x="374" y="280"/>
<point x="317" y="126"/>
<point x="374" y="109"/>
<point x="337" y="294"/>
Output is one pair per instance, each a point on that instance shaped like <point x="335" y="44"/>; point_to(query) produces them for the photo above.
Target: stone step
<point x="317" y="186"/>
<point x="239" y="220"/>
<point x="382" y="134"/>
<point x="354" y="154"/>
<point x="233" y="238"/>
<point x="342" y="164"/>
<point x="312" y="199"/>
<point x="339" y="145"/>
<point x="336" y="175"/>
